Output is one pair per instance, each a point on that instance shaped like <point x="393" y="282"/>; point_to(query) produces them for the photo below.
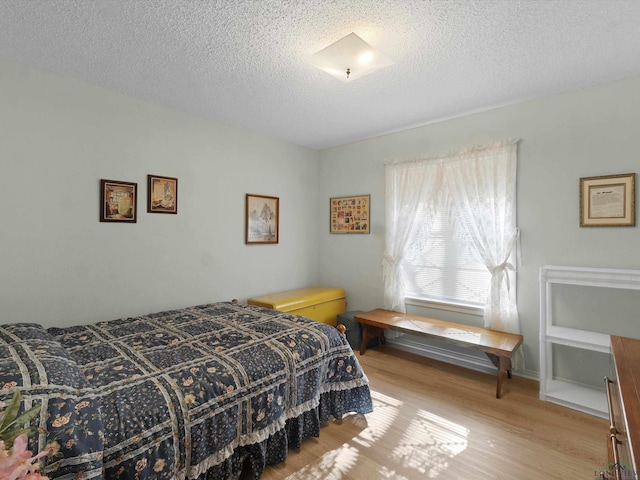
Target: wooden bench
<point x="499" y="346"/>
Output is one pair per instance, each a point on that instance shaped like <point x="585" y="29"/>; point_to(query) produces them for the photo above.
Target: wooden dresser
<point x="623" y="394"/>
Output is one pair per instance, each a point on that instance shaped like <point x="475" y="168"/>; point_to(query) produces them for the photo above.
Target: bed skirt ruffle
<point x="249" y="461"/>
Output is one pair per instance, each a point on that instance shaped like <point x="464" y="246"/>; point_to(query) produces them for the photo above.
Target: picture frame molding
<point x="608" y="201"/>
<point x="273" y="203"/>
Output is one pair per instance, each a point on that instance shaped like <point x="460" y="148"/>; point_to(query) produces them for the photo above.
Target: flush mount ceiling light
<point x="349" y="59"/>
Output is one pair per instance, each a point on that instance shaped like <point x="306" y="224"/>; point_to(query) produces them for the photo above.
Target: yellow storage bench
<point x="322" y="304"/>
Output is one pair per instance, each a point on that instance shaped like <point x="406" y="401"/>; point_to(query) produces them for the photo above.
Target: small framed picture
<point x="350" y="214"/>
<point x="608" y="201"/>
<point x="118" y="201"/>
<point x="262" y="219"/>
<point x="162" y="194"/>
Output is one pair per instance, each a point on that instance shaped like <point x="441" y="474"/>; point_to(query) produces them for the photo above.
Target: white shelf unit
<point x="569" y="394"/>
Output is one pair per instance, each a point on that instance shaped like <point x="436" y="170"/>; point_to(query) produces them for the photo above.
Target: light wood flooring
<point x="435" y="420"/>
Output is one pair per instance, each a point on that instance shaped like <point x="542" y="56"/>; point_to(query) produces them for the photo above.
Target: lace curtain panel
<point x="481" y="185"/>
<point x="409" y="186"/>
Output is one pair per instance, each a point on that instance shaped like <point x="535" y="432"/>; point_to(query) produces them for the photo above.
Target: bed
<point x="212" y="391"/>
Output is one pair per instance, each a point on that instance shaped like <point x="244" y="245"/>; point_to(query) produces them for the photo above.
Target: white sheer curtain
<point x="482" y="184"/>
<point x="408" y="187"/>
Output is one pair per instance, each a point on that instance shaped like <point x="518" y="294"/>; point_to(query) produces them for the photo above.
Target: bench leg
<point x="501" y="370"/>
<point x="504" y="365"/>
<point x="369" y="332"/>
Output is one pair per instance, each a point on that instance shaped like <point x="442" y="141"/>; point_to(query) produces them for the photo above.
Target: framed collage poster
<point x="349" y="214"/>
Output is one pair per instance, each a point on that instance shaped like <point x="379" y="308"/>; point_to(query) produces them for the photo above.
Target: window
<point x="442" y="266"/>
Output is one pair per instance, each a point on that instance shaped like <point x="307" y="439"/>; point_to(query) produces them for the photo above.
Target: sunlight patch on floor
<point x="429" y="442"/>
<point x="424" y="450"/>
<point x="385" y="412"/>
<point x="381" y="397"/>
<point x="331" y="466"/>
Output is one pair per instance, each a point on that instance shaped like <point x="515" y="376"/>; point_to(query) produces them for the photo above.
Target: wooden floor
<point x="434" y="420"/>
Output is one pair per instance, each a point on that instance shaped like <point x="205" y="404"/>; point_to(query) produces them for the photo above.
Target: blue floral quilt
<point x="197" y="393"/>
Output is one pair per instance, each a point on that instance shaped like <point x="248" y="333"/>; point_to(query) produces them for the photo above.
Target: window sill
<point x="448" y="306"/>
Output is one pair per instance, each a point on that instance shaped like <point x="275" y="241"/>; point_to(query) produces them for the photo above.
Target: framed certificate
<point x="608" y="201"/>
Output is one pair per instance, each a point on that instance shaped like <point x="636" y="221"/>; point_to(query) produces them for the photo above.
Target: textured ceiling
<point x="242" y="62"/>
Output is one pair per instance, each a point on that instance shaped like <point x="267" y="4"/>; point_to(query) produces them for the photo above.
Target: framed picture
<point x="118" y="201"/>
<point x="262" y="219"/>
<point x="350" y="214"/>
<point x="608" y="201"/>
<point x="162" y="194"/>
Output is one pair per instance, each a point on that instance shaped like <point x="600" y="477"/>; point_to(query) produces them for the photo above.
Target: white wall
<point x="61" y="266"/>
<point x="586" y="133"/>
